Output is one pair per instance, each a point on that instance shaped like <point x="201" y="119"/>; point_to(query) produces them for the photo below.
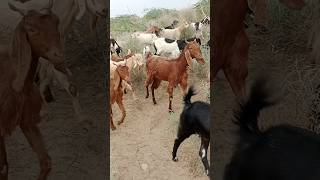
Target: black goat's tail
<point x="187" y="97"/>
<point x="247" y="115"/>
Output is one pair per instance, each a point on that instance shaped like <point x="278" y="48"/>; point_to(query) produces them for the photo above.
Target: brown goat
<point x="172" y="70"/>
<point x="118" y="73"/>
<point x="154" y="30"/>
<point x="231" y="43"/>
<point x="68" y="11"/>
<point x="35" y="36"/>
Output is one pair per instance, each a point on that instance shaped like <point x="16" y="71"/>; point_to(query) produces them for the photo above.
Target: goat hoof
<point x="175" y="159"/>
<point x="120" y="122"/>
<point x="171" y="111"/>
<point x="113" y="128"/>
<point x="147" y="97"/>
<point x="207" y="172"/>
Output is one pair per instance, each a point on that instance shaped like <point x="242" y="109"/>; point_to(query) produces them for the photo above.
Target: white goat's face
<point x="97" y="7"/>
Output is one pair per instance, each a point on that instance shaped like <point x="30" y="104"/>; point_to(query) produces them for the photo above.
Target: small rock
<point x="144" y="166"/>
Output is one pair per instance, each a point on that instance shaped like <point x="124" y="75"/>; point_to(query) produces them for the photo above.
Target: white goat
<point x="144" y="38"/>
<point x="164" y="46"/>
<point x="174" y="33"/>
<point x="198" y="27"/>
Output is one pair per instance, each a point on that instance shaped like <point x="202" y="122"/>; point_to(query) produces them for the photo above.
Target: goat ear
<point x="82" y="8"/>
<point x="188" y="58"/>
<point x="20" y="54"/>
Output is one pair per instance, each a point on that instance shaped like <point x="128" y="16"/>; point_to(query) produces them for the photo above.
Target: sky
<point x="124" y="7"/>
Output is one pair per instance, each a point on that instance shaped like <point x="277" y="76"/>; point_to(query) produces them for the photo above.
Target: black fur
<point x="183" y="43"/>
<point x="209" y="43"/>
<point x="169" y="40"/>
<point x="113" y="43"/>
<point x="205" y="21"/>
<point x="281" y="152"/>
<point x="194" y="119"/>
<point x="197" y="25"/>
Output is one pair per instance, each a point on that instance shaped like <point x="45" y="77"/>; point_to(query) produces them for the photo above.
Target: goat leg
<point x="203" y="153"/>
<point x="4" y="168"/>
<point x="34" y="137"/>
<point x="71" y="89"/>
<point x="121" y="106"/>
<point x="170" y="91"/>
<point x="112" y="126"/>
<point x="181" y="137"/>
<point x="153" y="98"/>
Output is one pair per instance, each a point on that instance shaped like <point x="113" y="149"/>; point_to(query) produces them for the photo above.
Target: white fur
<point x="163" y="47"/>
<point x="173" y="33"/>
<point x="144" y="38"/>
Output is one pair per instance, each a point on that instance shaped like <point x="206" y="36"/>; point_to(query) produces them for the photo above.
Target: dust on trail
<point x="141" y="147"/>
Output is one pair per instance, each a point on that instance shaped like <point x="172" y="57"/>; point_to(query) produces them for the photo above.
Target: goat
<point x="172" y="47"/>
<point x="144" y="38"/>
<point x="35" y="36"/>
<point x="197" y="27"/>
<point x="174" y="33"/>
<point x="114" y="47"/>
<point x="172" y="70"/>
<point x="154" y="30"/>
<point x="173" y="25"/>
<point x="118" y="72"/>
<point x="194" y="119"/>
<point x="132" y="62"/>
<point x="231" y="43"/>
<point x="67" y="11"/>
<point x="281" y="152"/>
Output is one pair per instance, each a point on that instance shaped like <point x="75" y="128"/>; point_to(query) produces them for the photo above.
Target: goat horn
<point x="23" y="12"/>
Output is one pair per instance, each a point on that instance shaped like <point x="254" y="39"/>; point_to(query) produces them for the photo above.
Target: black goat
<point x="281" y="152"/>
<point x="194" y="119"/>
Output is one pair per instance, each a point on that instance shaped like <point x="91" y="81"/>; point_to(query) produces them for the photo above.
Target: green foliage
<point x="126" y="23"/>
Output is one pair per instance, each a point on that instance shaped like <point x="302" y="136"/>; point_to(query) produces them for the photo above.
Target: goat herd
<point x="280" y="153"/>
<point x="170" y="62"/>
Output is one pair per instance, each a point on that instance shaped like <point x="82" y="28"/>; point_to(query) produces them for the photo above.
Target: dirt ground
<point x="141" y="147"/>
<point x="77" y="145"/>
<point x="272" y="55"/>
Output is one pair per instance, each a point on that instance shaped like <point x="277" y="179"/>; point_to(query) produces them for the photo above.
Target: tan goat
<point x="35" y="36"/>
<point x="118" y="72"/>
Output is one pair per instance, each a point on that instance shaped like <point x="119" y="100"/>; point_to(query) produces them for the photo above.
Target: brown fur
<point x="116" y="58"/>
<point x="68" y="11"/>
<point x="231" y="44"/>
<point x="154" y="30"/>
<point x="116" y="92"/>
<point x="35" y="36"/>
<point x="174" y="71"/>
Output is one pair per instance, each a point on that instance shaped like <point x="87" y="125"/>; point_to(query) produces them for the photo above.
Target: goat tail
<point x="187" y="97"/>
<point x="246" y="117"/>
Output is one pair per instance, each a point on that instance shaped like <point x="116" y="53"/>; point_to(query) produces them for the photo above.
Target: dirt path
<point x="141" y="147"/>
